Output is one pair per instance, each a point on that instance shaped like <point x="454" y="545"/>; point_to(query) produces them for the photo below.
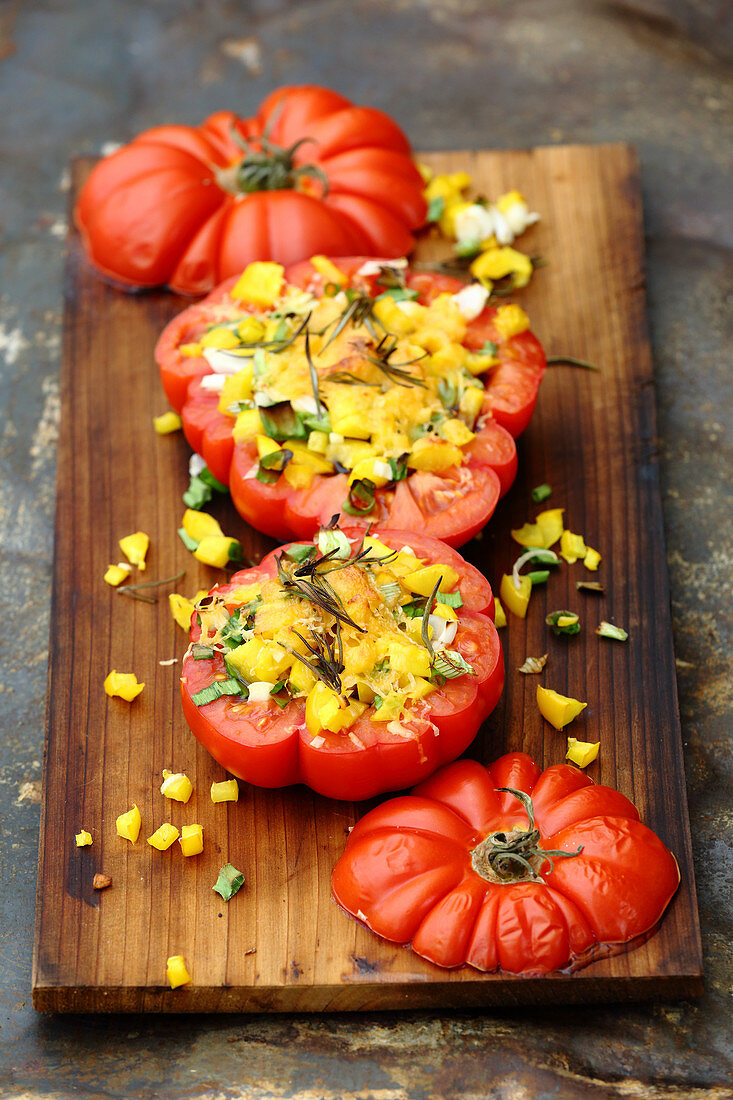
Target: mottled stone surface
<point x="74" y="75"/>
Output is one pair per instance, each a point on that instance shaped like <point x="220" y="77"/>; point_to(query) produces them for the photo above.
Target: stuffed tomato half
<point x="355" y="663"/>
<point x="354" y="386"/>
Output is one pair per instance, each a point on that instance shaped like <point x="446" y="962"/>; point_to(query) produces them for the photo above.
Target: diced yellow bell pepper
<point x="116" y="574"/>
<point x="471" y="404"/>
<point x="497" y="263"/>
<point x="176" y="972"/>
<point x="328" y="270"/>
<point x="260" y="283"/>
<point x="421" y="688"/>
<point x="167" y="422"/>
<point x="122" y="685"/>
<point x="572" y="547"/>
<point x="370" y="468"/>
<point x="215" y="551"/>
<point x="226" y="791"/>
<point x="443" y="611"/>
<point x="247" y="425"/>
<point x="318" y="442"/>
<point x="325" y="710"/>
<point x="516" y="599"/>
<point x="509" y="199"/>
<point x="251" y="330"/>
<point x="405" y="658"/>
<point x="237" y="387"/>
<point x="176" y="785"/>
<point x="391" y="707"/>
<point x="455" y="431"/>
<point x="545" y="531"/>
<point x="83" y="839"/>
<point x="190" y="351"/>
<point x="304" y="456"/>
<point x="423" y="580"/>
<point x="592" y="559"/>
<point x="301" y="678"/>
<point x="389" y="314"/>
<point x="582" y="753"/>
<point x="128" y="824"/>
<point x="435" y="455"/>
<point x="258" y="659"/>
<point x="477" y="364"/>
<point x="191" y="840"/>
<point x="200" y="525"/>
<point x="135" y="547"/>
<point x="366" y="694"/>
<point x="350" y="452"/>
<point x="242" y="595"/>
<point x="164" y="837"/>
<point x="181" y="609"/>
<point x="558" y="709"/>
<point x="298" y="476"/>
<point x="220" y="337"/>
<point x="500" y="613"/>
<point x="376" y="548"/>
<point x="266" y="446"/>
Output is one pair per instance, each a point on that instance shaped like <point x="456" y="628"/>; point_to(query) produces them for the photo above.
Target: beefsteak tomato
<point x="311" y="172"/>
<point x="292" y="662"/>
<point x="507" y="867"/>
<point x="458" y="385"/>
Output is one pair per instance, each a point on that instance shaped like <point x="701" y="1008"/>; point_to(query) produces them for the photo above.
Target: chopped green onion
<point x="208" y="479"/>
<point x="590" y="586"/>
<point x="467" y="248"/>
<point x="333" y="542"/>
<point x="533" y="554"/>
<point x="399" y="293"/>
<point x="281" y="421"/>
<point x="414" y="609"/>
<point x="272" y="465"/>
<point x="236" y="551"/>
<point x="539" y="576"/>
<point x="186" y="539"/>
<point x="399" y="468"/>
<point x="450" y="599"/>
<point x="230" y="880"/>
<point x="563" y="622"/>
<point x="202" y="652"/>
<point x="608" y="630"/>
<point x="570" y="361"/>
<point x="215" y="690"/>
<point x="360" y="500"/>
<point x="534" y="665"/>
<point x="488" y="348"/>
<point x="541" y="492"/>
<point x="300" y="551"/>
<point x="436" y="206"/>
<point x="450" y="663"/>
<point x="389" y="592"/>
<point x="198" y="494"/>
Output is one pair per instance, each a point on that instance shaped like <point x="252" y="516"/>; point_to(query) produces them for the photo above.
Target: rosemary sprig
<point x="394" y="371"/>
<point x="327" y="665"/>
<point x="425" y="630"/>
<point x="131" y="589"/>
<point x="320" y="408"/>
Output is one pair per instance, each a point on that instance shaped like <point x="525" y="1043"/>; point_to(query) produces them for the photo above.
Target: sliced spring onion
<point x="533" y="554"/>
<point x="590" y="586"/>
<point x="333" y="542"/>
<point x="186" y="539"/>
<point x="450" y="599"/>
<point x="563" y="622"/>
<point x="608" y="630"/>
<point x="541" y="492"/>
<point x="215" y="690"/>
<point x="450" y="663"/>
<point x="272" y="465"/>
<point x="389" y="592"/>
<point x="534" y="664"/>
<point x="300" y="551"/>
<point x="202" y="652"/>
<point x="360" y="500"/>
<point x="539" y="576"/>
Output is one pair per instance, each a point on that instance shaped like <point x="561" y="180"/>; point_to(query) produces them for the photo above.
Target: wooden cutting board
<point x="282" y="943"/>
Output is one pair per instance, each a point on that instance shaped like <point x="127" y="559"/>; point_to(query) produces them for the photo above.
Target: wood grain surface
<point x="282" y="943"/>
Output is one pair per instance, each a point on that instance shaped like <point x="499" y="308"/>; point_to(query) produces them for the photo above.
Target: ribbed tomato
<point x="506" y="867"/>
<point x="311" y="172"/>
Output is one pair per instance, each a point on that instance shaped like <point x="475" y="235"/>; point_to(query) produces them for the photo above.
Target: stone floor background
<point x="74" y="75"/>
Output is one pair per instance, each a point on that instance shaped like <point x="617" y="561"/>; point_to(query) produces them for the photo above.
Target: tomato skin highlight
<point x="271" y="747"/>
<point x="169" y="208"/>
<point x="407" y="874"/>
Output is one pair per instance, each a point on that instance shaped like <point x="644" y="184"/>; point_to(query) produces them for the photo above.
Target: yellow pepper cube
<point x="318" y="442"/>
<point x="247" y="425"/>
<point x="176" y="785"/>
<point x="455" y="431"/>
<point x="558" y="709"/>
<point x="242" y="595"/>
<point x="303" y="456"/>
<point x="500" y="613"/>
<point x="266" y="446"/>
<point x="220" y="337"/>
<point x="200" y="525"/>
<point x="163" y="837"/>
<point x="377" y="470"/>
<point x="226" y="791"/>
<point x="391" y="708"/>
<point x="251" y="330"/>
<point x="423" y="580"/>
<point x="192" y="840"/>
<point x="516" y="599"/>
<point x="128" y="824"/>
<point x="301" y="678"/>
<point x="190" y="351"/>
<point x="325" y="710"/>
<point x="592" y="559"/>
<point x="421" y="689"/>
<point x="260" y="283"/>
<point x="167" y="422"/>
<point x="510" y="320"/>
<point x="215" y="551"/>
<point x="298" y="476"/>
<point x="471" y="404"/>
<point x="443" y="611"/>
<point x="237" y="387"/>
<point x="404" y="658"/>
<point x="176" y="972"/>
<point x="116" y="574"/>
<point x="497" y="263"/>
<point x="328" y="270"/>
<point x="572" y="547"/>
<point x="582" y="753"/>
<point x="434" y="455"/>
<point x="122" y="685"/>
<point x="545" y="531"/>
<point x="389" y="314"/>
<point x="135" y="547"/>
<point x="376" y="548"/>
<point x="181" y="609"/>
<point x="83" y="839"/>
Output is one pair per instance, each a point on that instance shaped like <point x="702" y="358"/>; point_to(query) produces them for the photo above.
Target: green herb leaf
<point x="186" y="539"/>
<point x="215" y="690"/>
<point x="467" y="249"/>
<point x="541" y="492"/>
<point x="436" y="207"/>
<point x="563" y="622"/>
<point x="230" y="880"/>
<point x="450" y="599"/>
<point x="608" y="630"/>
<point x="570" y="361"/>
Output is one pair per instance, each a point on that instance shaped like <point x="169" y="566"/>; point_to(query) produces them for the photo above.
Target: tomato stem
<point x="266" y="166"/>
<point x="515" y="856"/>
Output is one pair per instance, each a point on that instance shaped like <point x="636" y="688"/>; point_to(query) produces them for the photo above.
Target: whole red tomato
<point x="506" y="868"/>
<point x="189" y="206"/>
<point x="272" y="744"/>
